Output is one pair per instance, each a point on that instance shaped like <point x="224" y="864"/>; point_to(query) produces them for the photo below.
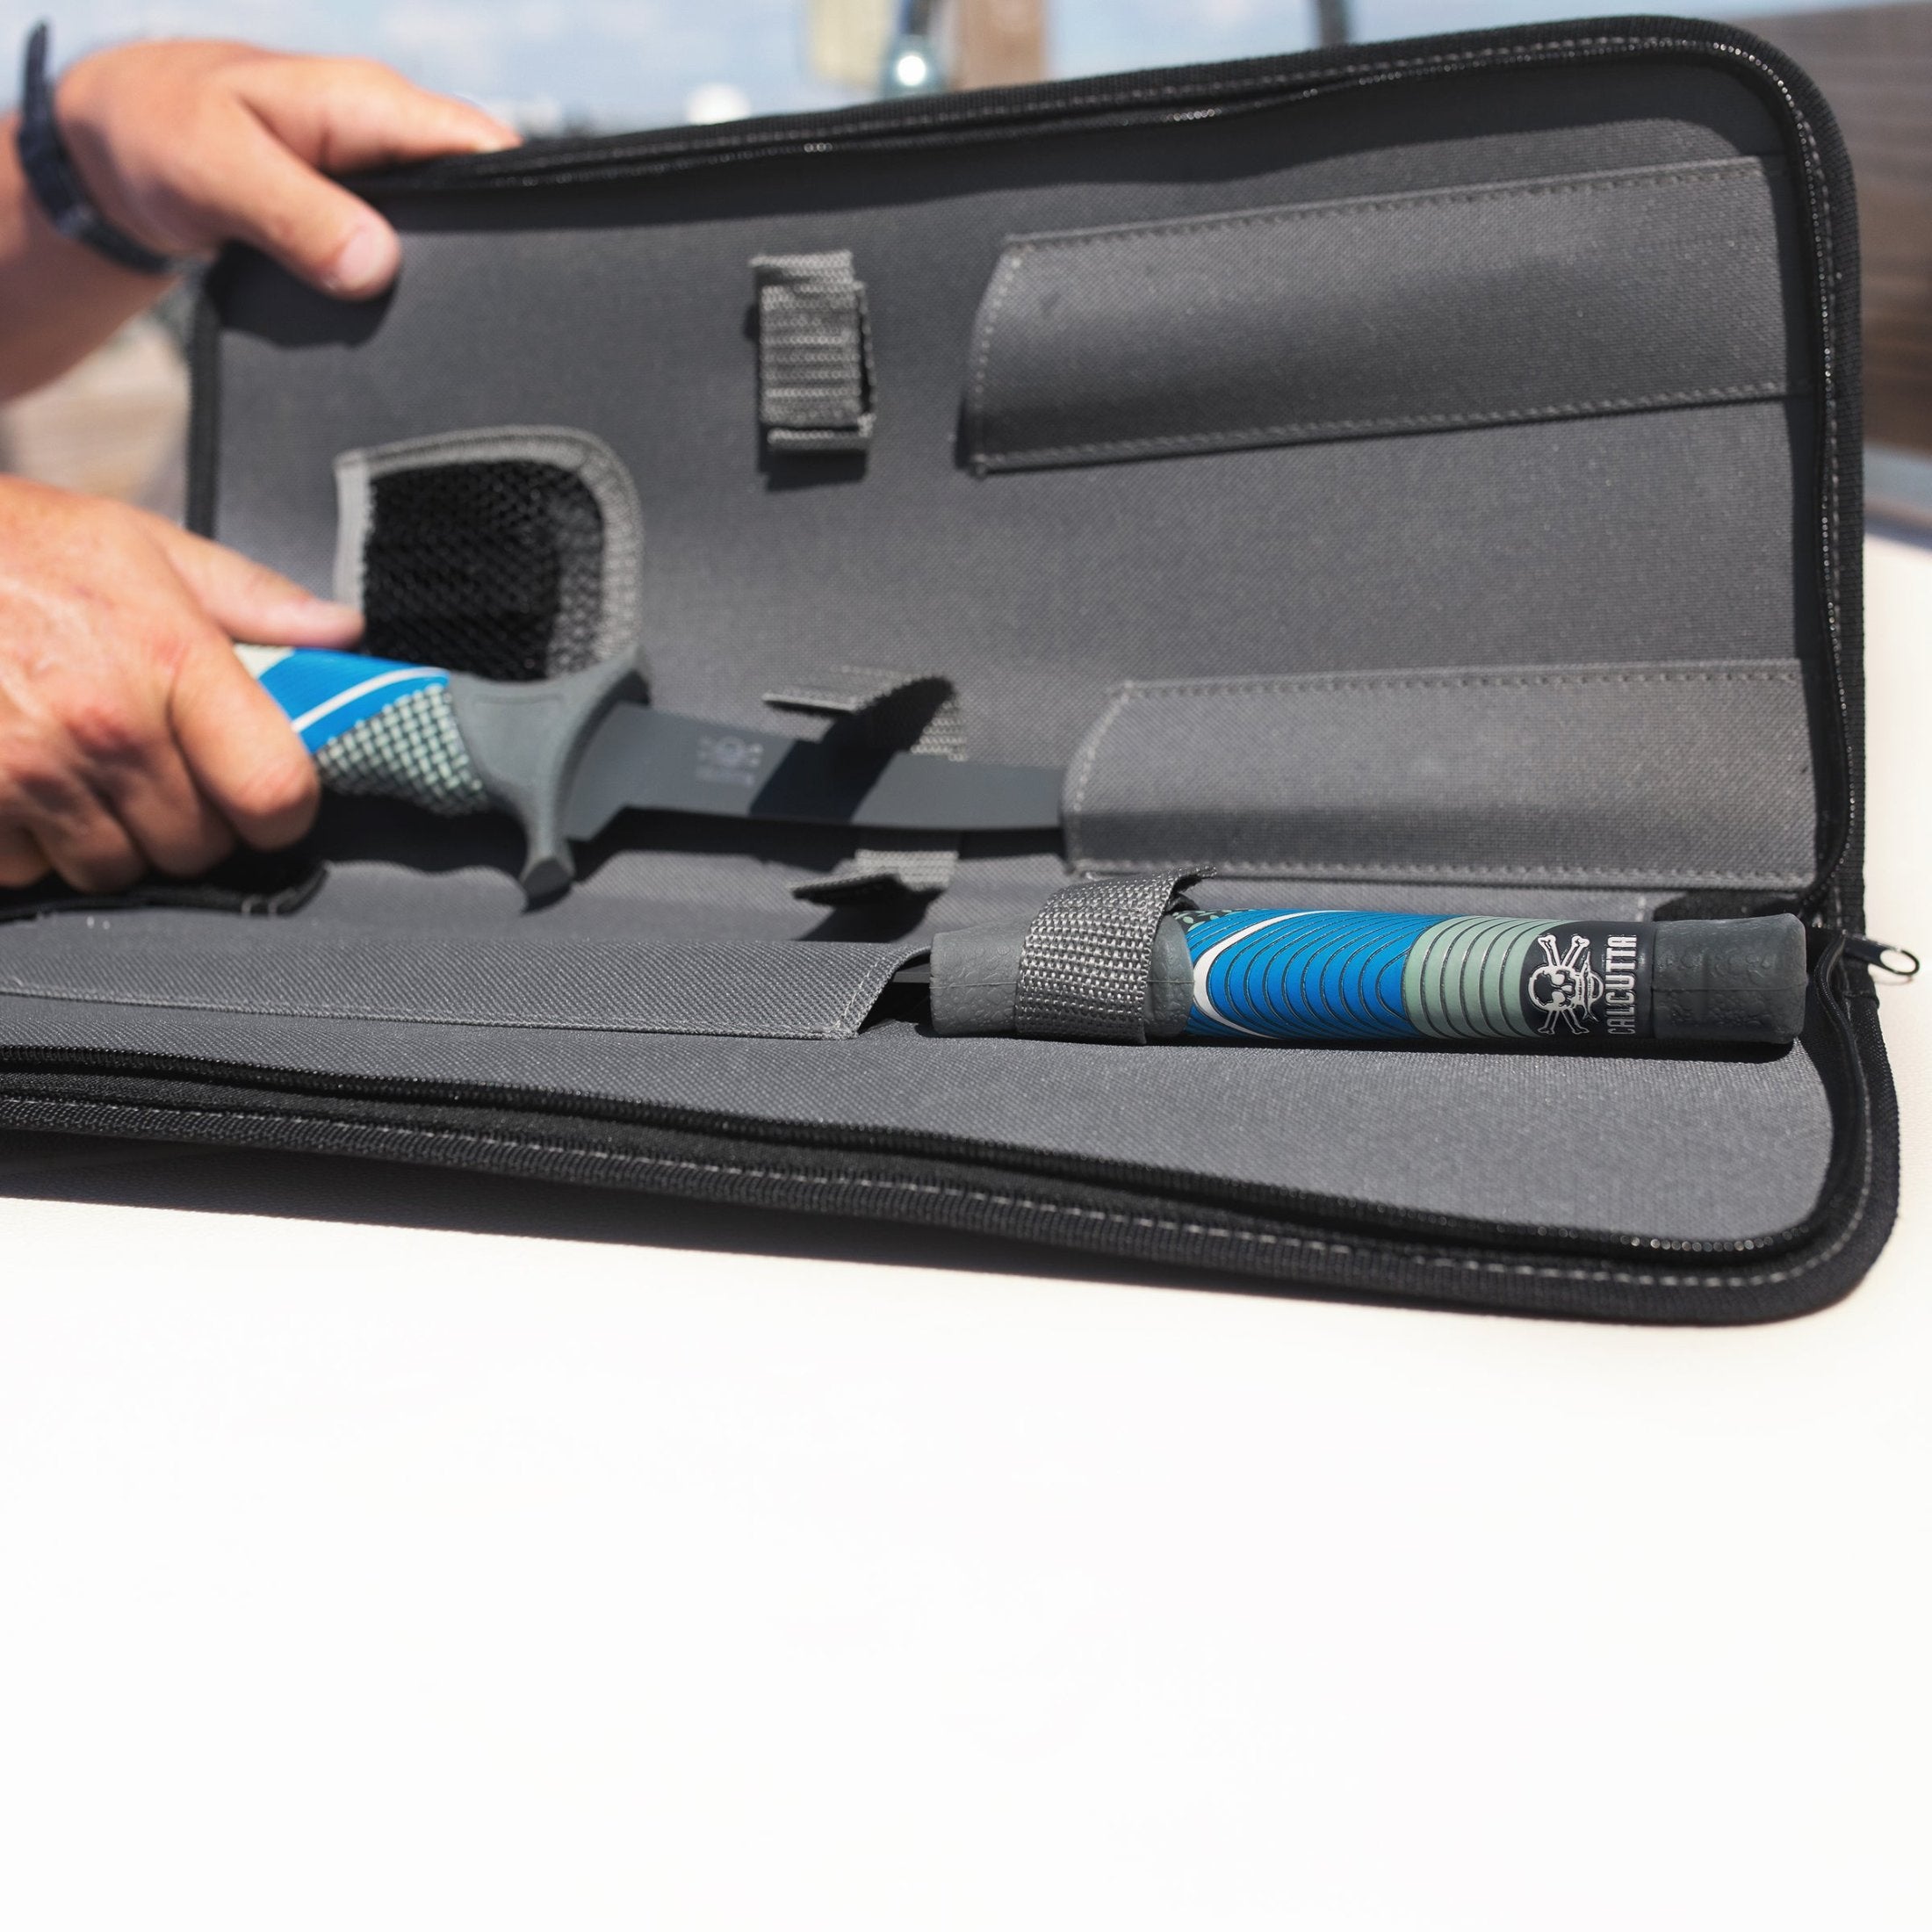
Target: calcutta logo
<point x="1564" y="987"/>
<point x="1620" y="979"/>
<point x="730" y="761"/>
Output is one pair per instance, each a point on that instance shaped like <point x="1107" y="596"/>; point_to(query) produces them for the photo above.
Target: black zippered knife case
<point x="1492" y="390"/>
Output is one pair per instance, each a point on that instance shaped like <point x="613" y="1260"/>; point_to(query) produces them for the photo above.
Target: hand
<point x="187" y="144"/>
<point x="130" y="735"/>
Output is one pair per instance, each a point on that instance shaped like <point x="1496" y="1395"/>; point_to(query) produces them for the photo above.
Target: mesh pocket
<point x="492" y="569"/>
<point x="511" y="554"/>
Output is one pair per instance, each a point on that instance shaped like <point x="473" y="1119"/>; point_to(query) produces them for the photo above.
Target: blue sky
<point x="631" y="62"/>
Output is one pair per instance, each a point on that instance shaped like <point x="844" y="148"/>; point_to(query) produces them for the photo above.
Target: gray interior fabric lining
<point x="1657" y="774"/>
<point x="281" y="967"/>
<point x="1716" y="1149"/>
<point x="395" y="872"/>
<point x="1601" y="540"/>
<point x="1385" y="314"/>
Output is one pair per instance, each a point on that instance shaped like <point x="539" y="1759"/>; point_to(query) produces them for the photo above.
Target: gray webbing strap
<point x="1084" y="969"/>
<point x="883" y="872"/>
<point x="815" y="386"/>
<point x="885" y="710"/>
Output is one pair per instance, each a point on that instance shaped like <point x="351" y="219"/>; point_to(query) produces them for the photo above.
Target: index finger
<point x="342" y="115"/>
<point x="249" y="601"/>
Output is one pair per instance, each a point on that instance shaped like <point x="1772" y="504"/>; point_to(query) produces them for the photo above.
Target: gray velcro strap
<point x="883" y="711"/>
<point x="883" y="872"/>
<point x="815" y="379"/>
<point x="1088" y="959"/>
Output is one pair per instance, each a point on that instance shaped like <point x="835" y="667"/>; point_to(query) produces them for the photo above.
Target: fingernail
<point x="495" y="143"/>
<point x="365" y="262"/>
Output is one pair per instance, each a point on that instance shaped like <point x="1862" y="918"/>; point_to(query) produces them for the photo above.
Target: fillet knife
<point x="564" y="756"/>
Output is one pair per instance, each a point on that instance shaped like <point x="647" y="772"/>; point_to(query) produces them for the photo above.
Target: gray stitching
<point x="1149" y="689"/>
<point x="1030" y="457"/>
<point x="1295" y="865"/>
<point x="1694" y="173"/>
<point x="1003" y="280"/>
<point x="865" y="996"/>
<point x="1088" y="755"/>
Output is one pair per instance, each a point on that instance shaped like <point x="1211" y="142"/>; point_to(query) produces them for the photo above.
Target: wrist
<point x="62" y="189"/>
<point x="59" y="300"/>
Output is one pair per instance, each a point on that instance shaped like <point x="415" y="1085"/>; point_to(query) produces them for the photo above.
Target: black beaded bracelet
<point x="57" y="183"/>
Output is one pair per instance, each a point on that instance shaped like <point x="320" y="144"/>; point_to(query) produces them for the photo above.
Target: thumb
<point x="315" y="229"/>
<point x="237" y="743"/>
<point x="343" y="116"/>
<point x="249" y="601"/>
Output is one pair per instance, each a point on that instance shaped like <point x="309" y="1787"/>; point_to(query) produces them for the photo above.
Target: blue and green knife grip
<point x="448" y="742"/>
<point x="1327" y="976"/>
<point x="1403" y="976"/>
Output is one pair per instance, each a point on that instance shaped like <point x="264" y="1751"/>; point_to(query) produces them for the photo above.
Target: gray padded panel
<point x="1647" y="775"/>
<point x="1381" y="316"/>
<point x="287" y="969"/>
<point x="1594" y="541"/>
<point x="1699" y="1149"/>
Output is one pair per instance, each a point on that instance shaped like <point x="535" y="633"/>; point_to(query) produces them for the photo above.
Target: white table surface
<point x="393" y="1575"/>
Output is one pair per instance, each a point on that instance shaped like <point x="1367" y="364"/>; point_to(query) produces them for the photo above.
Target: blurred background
<point x="556" y="67"/>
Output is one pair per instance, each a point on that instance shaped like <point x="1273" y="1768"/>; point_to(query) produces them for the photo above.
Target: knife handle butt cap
<point x="1743" y="980"/>
<point x="526" y="741"/>
<point x="975" y="978"/>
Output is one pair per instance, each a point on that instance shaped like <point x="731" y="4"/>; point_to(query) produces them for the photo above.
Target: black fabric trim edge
<point x="1834" y="1262"/>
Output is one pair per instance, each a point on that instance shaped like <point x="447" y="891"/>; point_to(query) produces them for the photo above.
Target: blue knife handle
<point x="374" y="727"/>
<point x="447" y="742"/>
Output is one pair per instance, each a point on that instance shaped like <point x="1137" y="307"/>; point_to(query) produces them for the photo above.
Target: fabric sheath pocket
<point x="1518" y="301"/>
<point x="1639" y="774"/>
<point x="747" y="990"/>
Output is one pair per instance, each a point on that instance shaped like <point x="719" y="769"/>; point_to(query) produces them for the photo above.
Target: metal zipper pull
<point x="1895" y="960"/>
